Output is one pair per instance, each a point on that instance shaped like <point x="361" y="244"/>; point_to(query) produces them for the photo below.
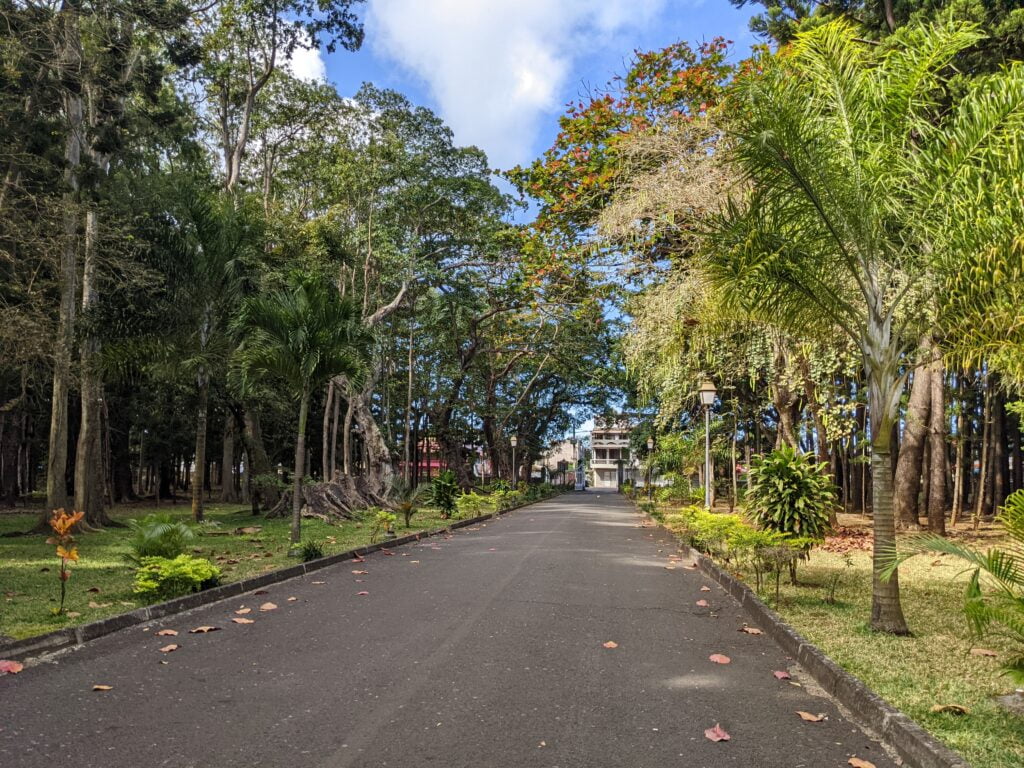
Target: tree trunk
<point x="881" y="365"/>
<point x="937" y="441"/>
<point x="202" y="412"/>
<point x="982" y="483"/>
<point x="907" y="482"/>
<point x="300" y="456"/>
<point x="1000" y="459"/>
<point x="89" y="475"/>
<point x="325" y="458"/>
<point x="57" y="456"/>
<point x="228" y="491"/>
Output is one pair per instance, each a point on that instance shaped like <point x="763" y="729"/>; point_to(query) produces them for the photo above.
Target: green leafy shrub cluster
<point x="791" y="492"/>
<point x="162" y="578"/>
<point x="158" y="536"/>
<point x="311" y="550"/>
<point x="381" y="523"/>
<point x="444" y="491"/>
<point x="679" y="490"/>
<point x="474" y="504"/>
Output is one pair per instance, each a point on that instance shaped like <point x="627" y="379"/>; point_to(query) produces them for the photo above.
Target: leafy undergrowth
<point x="101" y="581"/>
<point x="933" y="667"/>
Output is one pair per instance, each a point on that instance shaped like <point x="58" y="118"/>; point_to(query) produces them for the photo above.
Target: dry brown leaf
<point x="750" y="630"/>
<point x="167" y="633"/>
<point x="268" y="607"/>
<point x="611" y="644"/>
<point x="318" y="582"/>
<point x="360" y="573"/>
<point x="292" y="599"/>
<point x="983" y="652"/>
<point x="10" y="667"/>
<point x="717" y="733"/>
<point x="719" y="658"/>
<point x="203" y="630"/>
<point x="702" y="603"/>
<point x="170" y="648"/>
<point x="362" y="594"/>
<point x="807" y="716"/>
<point x="243" y="611"/>
<point x="781" y="674"/>
<point x="239" y="620"/>
<point x="100" y="687"/>
<point x="705" y="588"/>
<point x="856" y="762"/>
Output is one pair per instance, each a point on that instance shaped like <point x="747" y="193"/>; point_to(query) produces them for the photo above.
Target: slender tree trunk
<point x="57" y="455"/>
<point x="89" y="475"/>
<point x="937" y="441"/>
<point x="1000" y="464"/>
<point x="300" y="469"/>
<point x="202" y="412"/>
<point x="907" y="482"/>
<point x="408" y="411"/>
<point x="334" y="435"/>
<point x="982" y="482"/>
<point x="228" y="491"/>
<point x="325" y="459"/>
<point x="884" y="386"/>
<point x="346" y="437"/>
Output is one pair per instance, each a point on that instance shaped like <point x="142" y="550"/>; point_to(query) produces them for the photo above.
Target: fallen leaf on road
<point x="719" y="658"/>
<point x="260" y="592"/>
<point x="781" y="674"/>
<point x="953" y="709"/>
<point x="203" y="630"/>
<point x="103" y="687"/>
<point x="611" y="644"/>
<point x="167" y="633"/>
<point x="716" y="734"/>
<point x="414" y="562"/>
<point x="239" y="620"/>
<point x="705" y="588"/>
<point x="360" y="573"/>
<point x="362" y="593"/>
<point x="170" y="648"/>
<point x="542" y="744"/>
<point x="670" y="567"/>
<point x="492" y="549"/>
<point x="750" y="630"/>
<point x="10" y="667"/>
<point x="243" y="611"/>
<point x="387" y="552"/>
<point x="319" y="582"/>
<point x="983" y="652"/>
<point x="358" y="559"/>
<point x="702" y="603"/>
<point x="292" y="599"/>
<point x="856" y="762"/>
<point x="811" y="718"/>
<point x="268" y="607"/>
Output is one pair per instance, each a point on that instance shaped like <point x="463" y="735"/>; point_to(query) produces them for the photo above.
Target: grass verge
<point x="101" y="582"/>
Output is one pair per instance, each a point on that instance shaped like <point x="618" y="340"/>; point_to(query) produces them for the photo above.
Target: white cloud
<point x="497" y="67"/>
<point x="307" y="64"/>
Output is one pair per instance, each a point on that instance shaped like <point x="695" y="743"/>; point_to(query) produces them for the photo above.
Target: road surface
<point x="480" y="650"/>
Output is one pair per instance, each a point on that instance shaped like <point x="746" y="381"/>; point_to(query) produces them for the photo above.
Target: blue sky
<point x="500" y="72"/>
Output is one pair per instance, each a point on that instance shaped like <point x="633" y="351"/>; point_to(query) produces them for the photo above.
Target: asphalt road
<point x="483" y="649"/>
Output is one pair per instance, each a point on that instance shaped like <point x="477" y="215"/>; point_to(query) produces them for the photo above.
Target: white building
<point x="611" y="461"/>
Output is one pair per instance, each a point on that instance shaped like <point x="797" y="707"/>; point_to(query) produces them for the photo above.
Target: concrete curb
<point x="917" y="747"/>
<point x="73" y="637"/>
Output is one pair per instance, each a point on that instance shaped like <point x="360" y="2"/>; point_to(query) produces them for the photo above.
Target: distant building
<point x="611" y="460"/>
<point x="558" y="462"/>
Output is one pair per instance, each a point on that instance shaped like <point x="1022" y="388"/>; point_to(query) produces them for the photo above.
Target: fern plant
<point x="158" y="536"/>
<point x="994" y="599"/>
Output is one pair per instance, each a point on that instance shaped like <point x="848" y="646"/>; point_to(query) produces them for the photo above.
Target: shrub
<point x="406" y="498"/>
<point x="475" y="504"/>
<point x="383" y="522"/>
<point x="443" y="493"/>
<point x="790" y="492"/>
<point x="162" y="578"/>
<point x="62" y="524"/>
<point x="158" y="536"/>
<point x="311" y="550"/>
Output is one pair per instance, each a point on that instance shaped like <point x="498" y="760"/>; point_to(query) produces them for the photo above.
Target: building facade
<point x="611" y="460"/>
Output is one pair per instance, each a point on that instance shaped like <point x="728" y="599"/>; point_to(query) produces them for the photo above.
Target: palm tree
<point x="856" y="158"/>
<point x="302" y="335"/>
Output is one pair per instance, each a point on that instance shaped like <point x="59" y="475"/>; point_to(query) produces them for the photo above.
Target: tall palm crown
<point x="302" y="335"/>
<point x="866" y="175"/>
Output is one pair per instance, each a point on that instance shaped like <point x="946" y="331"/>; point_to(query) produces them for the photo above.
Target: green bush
<point x="162" y="578"/>
<point x="444" y="492"/>
<point x="475" y="504"/>
<point x="382" y="522"/>
<point x="406" y="498"/>
<point x="158" y="536"/>
<point x="311" y="550"/>
<point x="790" y="492"/>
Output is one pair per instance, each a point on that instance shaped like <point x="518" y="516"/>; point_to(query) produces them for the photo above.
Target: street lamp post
<point x="515" y="442"/>
<point x="650" y="450"/>
<point x="707" y="399"/>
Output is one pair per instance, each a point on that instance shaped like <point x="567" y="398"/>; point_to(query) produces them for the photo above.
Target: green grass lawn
<point x="933" y="667"/>
<point x="101" y="582"/>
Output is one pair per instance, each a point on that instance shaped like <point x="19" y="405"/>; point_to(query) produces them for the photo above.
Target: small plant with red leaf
<point x="62" y="524"/>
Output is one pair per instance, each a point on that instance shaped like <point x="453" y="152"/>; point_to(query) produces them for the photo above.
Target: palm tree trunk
<point x="300" y="469"/>
<point x="907" y="483"/>
<point x="202" y="412"/>
<point x="881" y="364"/>
<point x="939" y="454"/>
